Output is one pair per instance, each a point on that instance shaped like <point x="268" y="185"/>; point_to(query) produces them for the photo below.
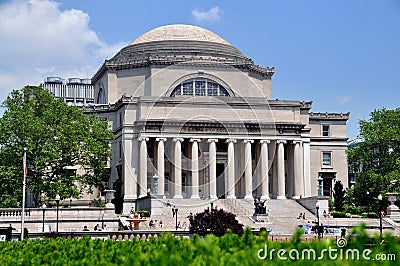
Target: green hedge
<point x="369" y="215"/>
<point x="351" y="209"/>
<point x="338" y="214"/>
<point x="229" y="249"/>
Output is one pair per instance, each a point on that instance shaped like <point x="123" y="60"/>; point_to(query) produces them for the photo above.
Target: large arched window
<point x="199" y="87"/>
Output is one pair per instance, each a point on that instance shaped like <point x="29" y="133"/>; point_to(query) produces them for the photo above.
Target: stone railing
<point x="13" y="212"/>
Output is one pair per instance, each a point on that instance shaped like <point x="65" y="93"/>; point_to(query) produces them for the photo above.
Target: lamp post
<point x="318" y="229"/>
<point x="44" y="210"/>
<point x="380" y="215"/>
<point x="57" y="202"/>
<point x="176" y="218"/>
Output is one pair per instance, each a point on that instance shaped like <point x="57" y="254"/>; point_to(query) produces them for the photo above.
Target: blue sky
<point x="342" y="55"/>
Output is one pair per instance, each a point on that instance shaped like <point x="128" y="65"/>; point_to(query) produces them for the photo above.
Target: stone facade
<point x="194" y="118"/>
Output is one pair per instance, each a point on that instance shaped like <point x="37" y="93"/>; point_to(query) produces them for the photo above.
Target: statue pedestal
<point x="261" y="218"/>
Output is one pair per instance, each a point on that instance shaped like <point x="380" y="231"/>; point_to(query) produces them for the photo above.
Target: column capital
<point x="279" y="141"/>
<point x="231" y="140"/>
<point x="264" y="141"/>
<point x="177" y="139"/>
<point x="295" y="142"/>
<point x="248" y="141"/>
<point x="212" y="140"/>
<point x="161" y="139"/>
<point x="143" y="138"/>
<point x="194" y="139"/>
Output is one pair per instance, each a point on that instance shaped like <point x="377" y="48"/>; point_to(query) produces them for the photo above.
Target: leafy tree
<point x="379" y="149"/>
<point x="338" y="195"/>
<point x="216" y="221"/>
<point x="56" y="136"/>
<point x="376" y="158"/>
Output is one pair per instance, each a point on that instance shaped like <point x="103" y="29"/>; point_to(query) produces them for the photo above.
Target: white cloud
<point x="343" y="99"/>
<point x="212" y="15"/>
<point x="38" y="39"/>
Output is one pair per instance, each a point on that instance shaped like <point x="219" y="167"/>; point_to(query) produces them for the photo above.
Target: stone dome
<point x="179" y="32"/>
<point x="181" y="42"/>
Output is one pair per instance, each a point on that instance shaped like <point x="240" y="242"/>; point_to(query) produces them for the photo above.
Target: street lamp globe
<point x="380" y="197"/>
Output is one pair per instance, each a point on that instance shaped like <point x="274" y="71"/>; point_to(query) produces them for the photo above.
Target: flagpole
<point x="23" y="195"/>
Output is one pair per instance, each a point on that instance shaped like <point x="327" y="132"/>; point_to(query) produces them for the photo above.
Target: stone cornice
<point x="329" y="116"/>
<point x="239" y="63"/>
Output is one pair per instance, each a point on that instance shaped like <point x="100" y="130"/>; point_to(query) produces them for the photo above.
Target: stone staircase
<point x="161" y="212"/>
<point x="282" y="213"/>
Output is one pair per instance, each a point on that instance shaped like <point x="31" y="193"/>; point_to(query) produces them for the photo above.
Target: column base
<point x="195" y="197"/>
<point x="281" y="197"/>
<point x="266" y="197"/>
<point x="178" y="197"/>
<point x="213" y="197"/>
<point x="248" y="197"/>
<point x="142" y="196"/>
<point x="231" y="197"/>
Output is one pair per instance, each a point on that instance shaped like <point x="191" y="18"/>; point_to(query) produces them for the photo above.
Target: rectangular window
<point x="326" y="158"/>
<point x="325" y="130"/>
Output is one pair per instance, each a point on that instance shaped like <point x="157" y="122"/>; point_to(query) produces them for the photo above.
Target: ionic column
<point x="212" y="154"/>
<point x="160" y="165"/>
<point x="298" y="177"/>
<point x="307" y="177"/>
<point x="143" y="166"/>
<point x="178" y="168"/>
<point x="231" y="168"/>
<point x="248" y="169"/>
<point x="195" y="168"/>
<point x="264" y="170"/>
<point x="281" y="170"/>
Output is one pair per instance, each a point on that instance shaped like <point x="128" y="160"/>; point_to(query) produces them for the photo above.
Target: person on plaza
<point x="173" y="211"/>
<point x="11" y="228"/>
<point x="85" y="228"/>
<point x="184" y="225"/>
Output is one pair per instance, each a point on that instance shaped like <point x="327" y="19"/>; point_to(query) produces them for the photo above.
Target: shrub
<point x="369" y="215"/>
<point x="352" y="209"/>
<point x="216" y="221"/>
<point x="338" y="214"/>
<point x="145" y="212"/>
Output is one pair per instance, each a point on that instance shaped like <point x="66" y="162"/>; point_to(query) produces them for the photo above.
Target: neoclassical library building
<point x="195" y="118"/>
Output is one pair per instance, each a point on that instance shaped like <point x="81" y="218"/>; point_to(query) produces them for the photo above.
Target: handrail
<point x="235" y="205"/>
